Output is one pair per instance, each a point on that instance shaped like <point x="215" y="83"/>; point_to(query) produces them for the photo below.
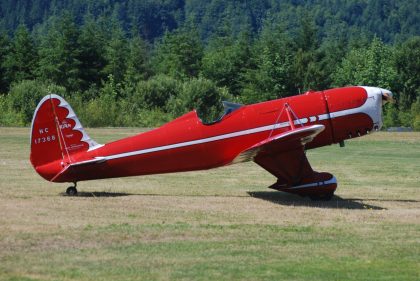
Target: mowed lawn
<point x="222" y="224"/>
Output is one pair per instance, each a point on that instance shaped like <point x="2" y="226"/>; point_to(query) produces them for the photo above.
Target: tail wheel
<point x="71" y="190"/>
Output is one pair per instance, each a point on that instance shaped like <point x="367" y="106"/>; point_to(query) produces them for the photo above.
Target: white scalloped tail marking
<point x="78" y="126"/>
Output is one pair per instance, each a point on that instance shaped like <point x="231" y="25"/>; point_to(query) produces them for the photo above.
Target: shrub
<point x="9" y="117"/>
<point x="204" y="96"/>
<point x="391" y="117"/>
<point x="415" y="112"/>
<point x="155" y="92"/>
<point x="405" y="118"/>
<point x="25" y="96"/>
<point x="152" y="118"/>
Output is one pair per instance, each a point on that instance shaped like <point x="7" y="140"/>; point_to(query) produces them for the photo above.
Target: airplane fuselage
<point x="186" y="144"/>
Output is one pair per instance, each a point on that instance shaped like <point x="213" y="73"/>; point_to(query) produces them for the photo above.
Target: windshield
<point x="228" y="107"/>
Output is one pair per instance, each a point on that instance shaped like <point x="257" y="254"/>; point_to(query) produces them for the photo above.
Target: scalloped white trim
<point x="71" y="115"/>
<point x="372" y="106"/>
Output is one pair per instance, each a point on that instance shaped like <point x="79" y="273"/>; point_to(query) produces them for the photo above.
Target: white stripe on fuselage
<point x="235" y="134"/>
<point x="205" y="140"/>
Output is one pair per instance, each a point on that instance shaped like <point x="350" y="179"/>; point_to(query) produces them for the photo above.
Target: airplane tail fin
<point x="56" y="136"/>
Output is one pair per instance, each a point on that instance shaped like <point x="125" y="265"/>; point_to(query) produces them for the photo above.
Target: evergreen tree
<point x="218" y="59"/>
<point x="333" y="53"/>
<point x="228" y="62"/>
<point x="60" y="54"/>
<point x="137" y="61"/>
<point x="243" y="60"/>
<point x="116" y="51"/>
<point x="92" y="53"/>
<point x="390" y="20"/>
<point x="372" y="66"/>
<point x="408" y="68"/>
<point x="90" y="50"/>
<point x="272" y="78"/>
<point x="179" y="54"/>
<point x="20" y="63"/>
<point x="307" y="69"/>
<point x="4" y="53"/>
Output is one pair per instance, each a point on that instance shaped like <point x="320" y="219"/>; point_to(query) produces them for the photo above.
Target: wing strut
<point x="289" y="111"/>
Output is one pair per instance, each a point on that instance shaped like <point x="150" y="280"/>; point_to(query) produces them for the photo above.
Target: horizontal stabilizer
<point x="78" y="169"/>
<point x="96" y="160"/>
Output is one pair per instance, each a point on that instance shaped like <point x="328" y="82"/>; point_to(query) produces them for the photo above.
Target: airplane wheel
<point x="71" y="191"/>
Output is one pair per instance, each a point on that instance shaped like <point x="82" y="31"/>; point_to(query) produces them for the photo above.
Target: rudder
<point x="56" y="136"/>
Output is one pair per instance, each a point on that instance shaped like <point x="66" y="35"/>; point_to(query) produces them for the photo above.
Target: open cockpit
<point x="228" y="108"/>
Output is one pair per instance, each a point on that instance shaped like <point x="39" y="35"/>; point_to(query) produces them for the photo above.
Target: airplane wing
<point x="283" y="155"/>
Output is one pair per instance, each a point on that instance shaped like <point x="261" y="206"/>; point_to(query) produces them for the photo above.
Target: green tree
<point x="272" y="77"/>
<point x="371" y="66"/>
<point x="219" y="63"/>
<point x="60" y="54"/>
<point x="4" y="53"/>
<point x="227" y="62"/>
<point x="408" y="69"/>
<point x="307" y="68"/>
<point x="333" y="53"/>
<point x="137" y="61"/>
<point x="92" y="49"/>
<point x="103" y="110"/>
<point x="116" y="52"/>
<point x="20" y="63"/>
<point x="179" y="54"/>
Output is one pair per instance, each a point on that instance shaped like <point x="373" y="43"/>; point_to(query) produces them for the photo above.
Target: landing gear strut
<point x="72" y="190"/>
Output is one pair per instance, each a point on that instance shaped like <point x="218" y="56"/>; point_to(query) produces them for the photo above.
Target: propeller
<point x="387" y="96"/>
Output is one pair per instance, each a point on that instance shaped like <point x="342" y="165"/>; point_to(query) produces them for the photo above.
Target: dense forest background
<point x="142" y="63"/>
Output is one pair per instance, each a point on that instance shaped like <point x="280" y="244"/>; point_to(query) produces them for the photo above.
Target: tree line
<point x="116" y="77"/>
<point x="391" y="20"/>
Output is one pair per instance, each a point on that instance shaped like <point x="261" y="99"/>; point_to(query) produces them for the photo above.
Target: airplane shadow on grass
<point x="121" y="194"/>
<point x="276" y="197"/>
<point x="100" y="194"/>
<point x="336" y="202"/>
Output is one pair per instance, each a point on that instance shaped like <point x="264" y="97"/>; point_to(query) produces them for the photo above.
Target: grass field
<point x="222" y="224"/>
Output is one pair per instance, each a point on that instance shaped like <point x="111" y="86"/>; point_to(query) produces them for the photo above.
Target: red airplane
<point x="273" y="134"/>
